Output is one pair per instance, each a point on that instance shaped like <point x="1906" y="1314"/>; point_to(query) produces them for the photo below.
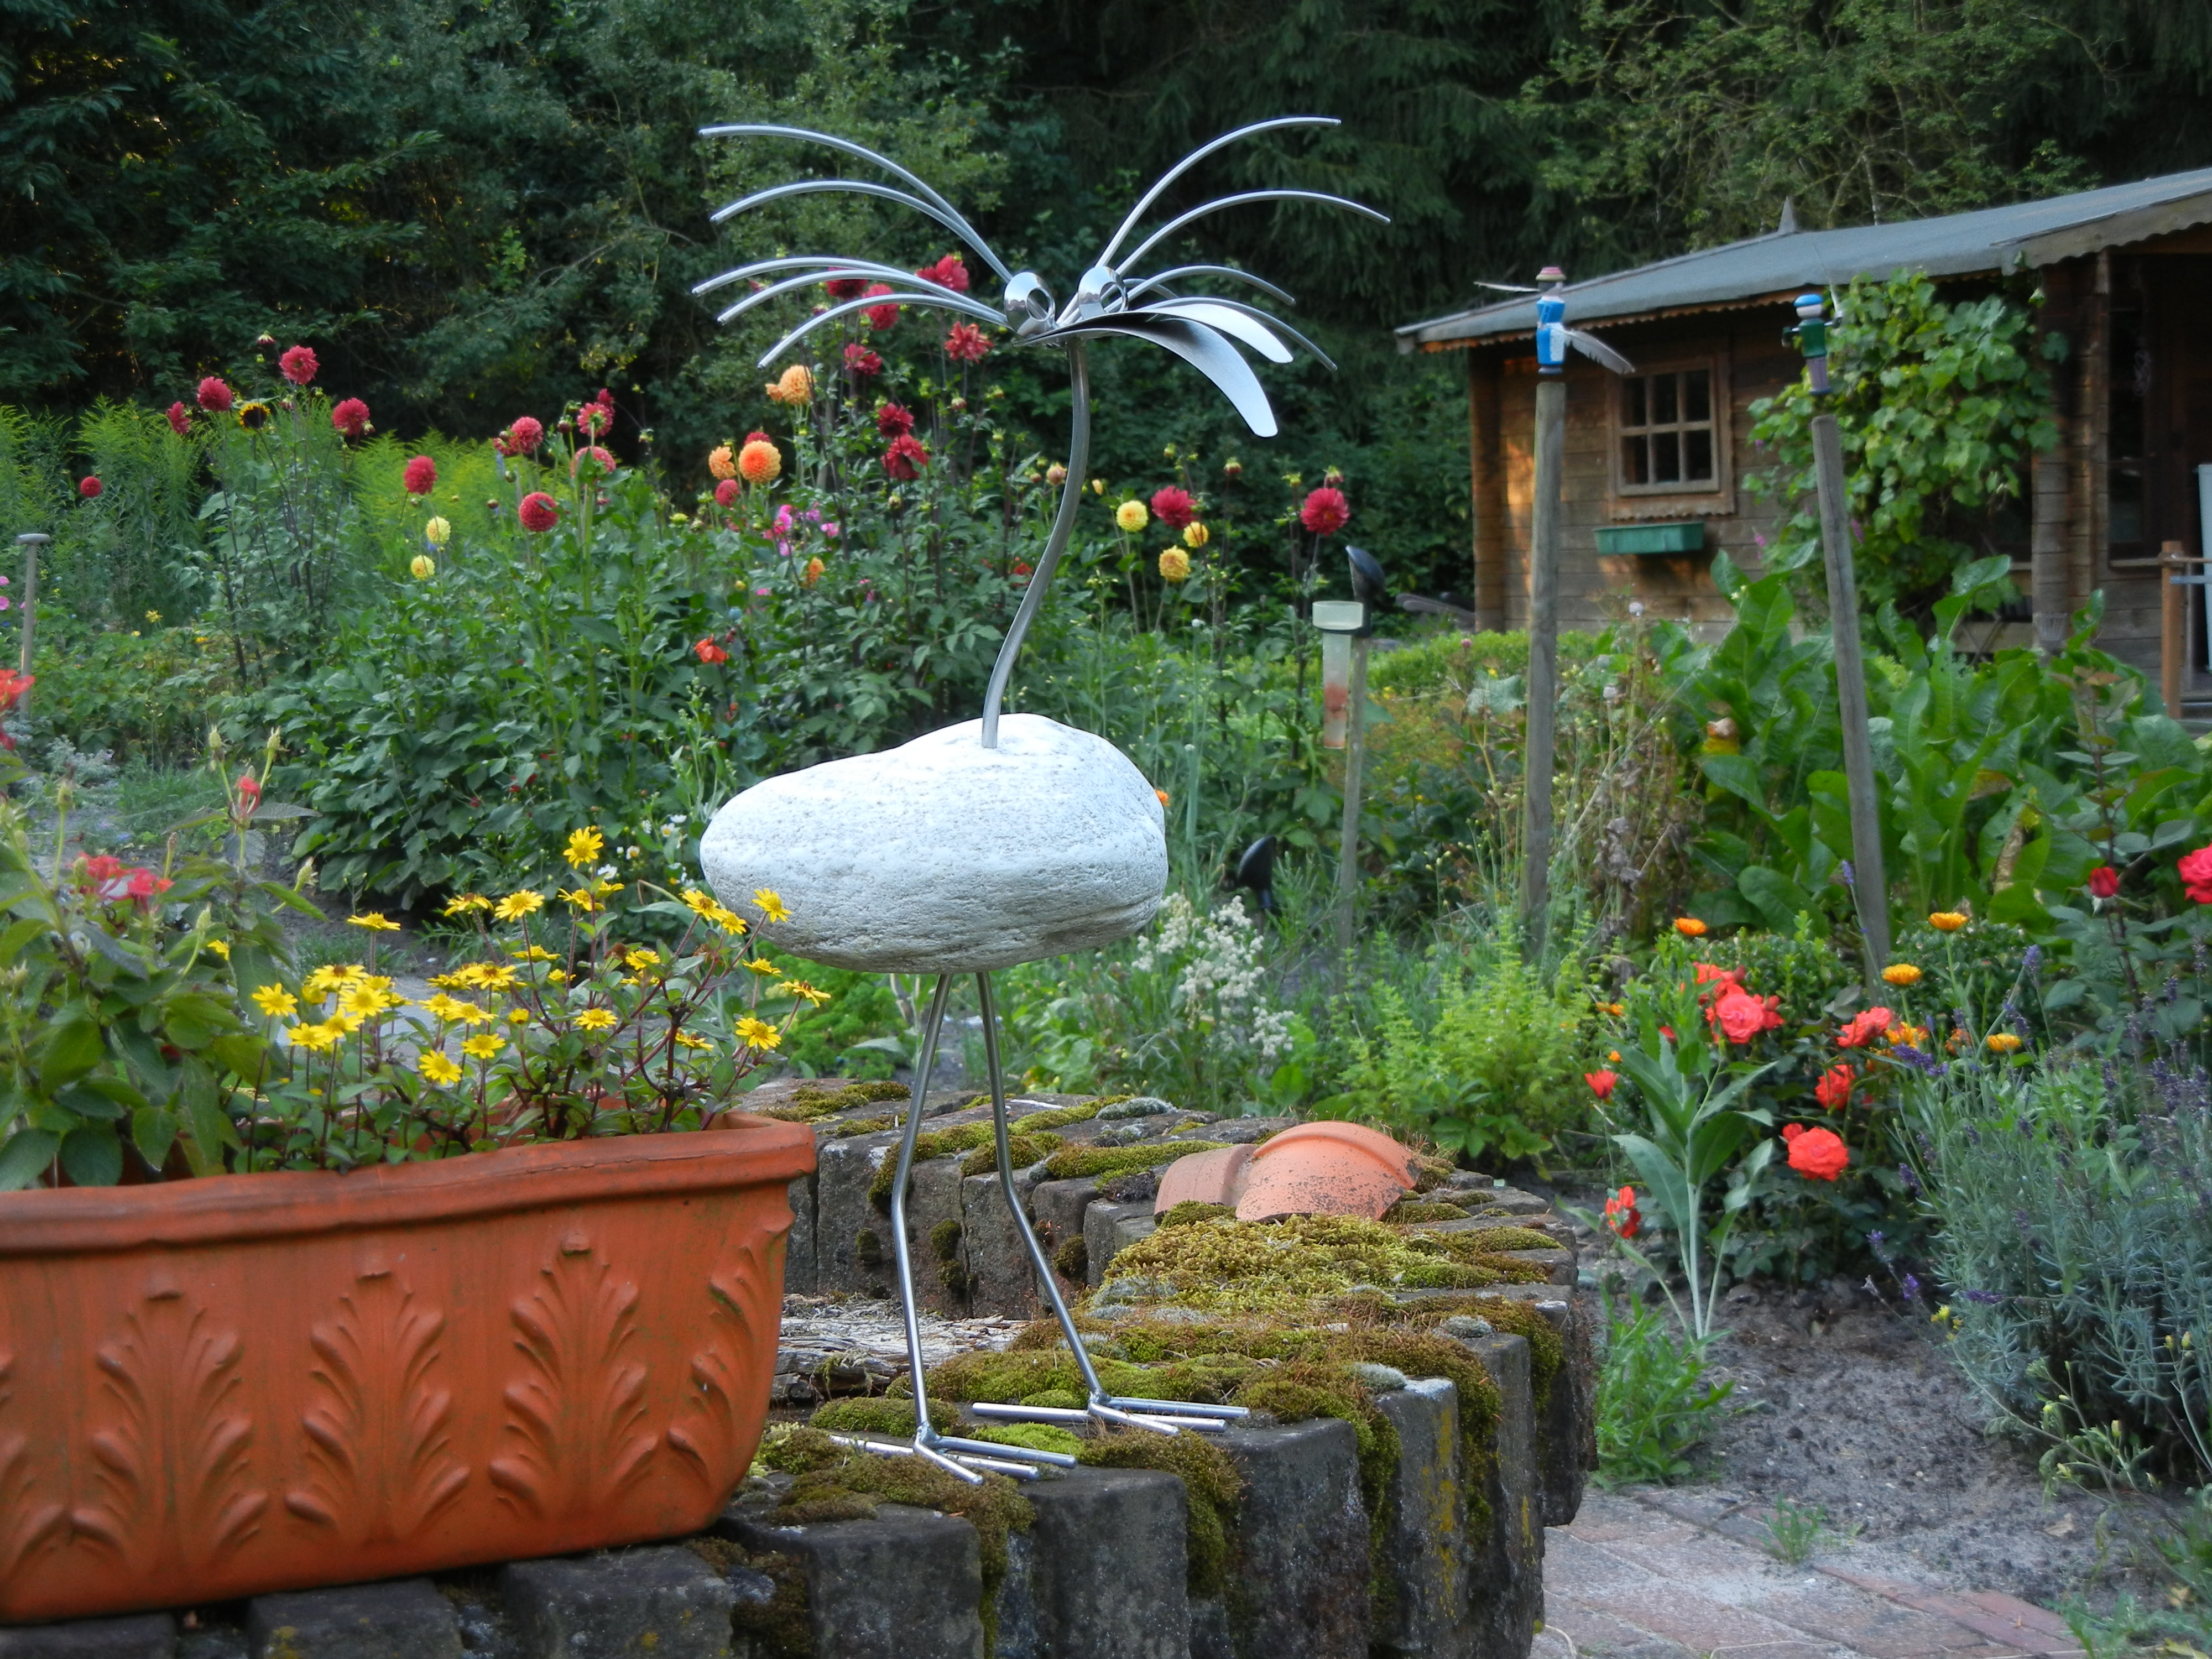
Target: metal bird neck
<point x="1063" y="526"/>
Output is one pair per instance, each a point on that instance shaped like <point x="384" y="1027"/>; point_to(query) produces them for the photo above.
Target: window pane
<point x="1698" y="395"/>
<point x="1631" y="401"/>
<point x="1636" y="460"/>
<point x="1664" y="387"/>
<point x="1698" y="454"/>
<point x="1666" y="457"/>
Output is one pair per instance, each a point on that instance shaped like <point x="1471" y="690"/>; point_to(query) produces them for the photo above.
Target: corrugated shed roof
<point x="1780" y="263"/>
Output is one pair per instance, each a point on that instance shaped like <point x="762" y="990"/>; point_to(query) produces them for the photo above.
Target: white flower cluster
<point x="1220" y="981"/>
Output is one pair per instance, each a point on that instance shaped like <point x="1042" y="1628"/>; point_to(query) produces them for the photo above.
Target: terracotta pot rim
<point x="744" y="1150"/>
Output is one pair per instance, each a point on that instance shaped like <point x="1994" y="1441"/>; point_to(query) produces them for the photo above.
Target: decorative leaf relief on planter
<point x="576" y="1412"/>
<point x="30" y="1527"/>
<point x="378" y="1446"/>
<point x="741" y="1343"/>
<point x="170" y="1444"/>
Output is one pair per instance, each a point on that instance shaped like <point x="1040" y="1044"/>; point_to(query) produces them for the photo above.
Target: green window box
<point x="1677" y="538"/>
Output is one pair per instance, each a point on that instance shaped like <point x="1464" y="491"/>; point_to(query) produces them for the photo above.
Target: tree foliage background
<point x="474" y="208"/>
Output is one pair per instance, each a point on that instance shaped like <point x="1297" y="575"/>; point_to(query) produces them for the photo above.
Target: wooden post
<point x="2172" y="626"/>
<point x="1347" y="855"/>
<point x="1543" y="665"/>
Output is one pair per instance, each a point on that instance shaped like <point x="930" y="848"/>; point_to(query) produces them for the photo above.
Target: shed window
<point x="1669" y="434"/>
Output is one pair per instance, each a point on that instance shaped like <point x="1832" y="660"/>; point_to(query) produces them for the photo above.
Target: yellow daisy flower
<point x="758" y="1033"/>
<point x="685" y="1040"/>
<point x="438" y="1068"/>
<point x="583" y="850"/>
<point x="483" y="1045"/>
<point x="461" y="903"/>
<point x="275" y="1001"/>
<point x="1901" y="973"/>
<point x="637" y="958"/>
<point x="220" y="947"/>
<point x="596" y="1020"/>
<point x="764" y="968"/>
<point x="314" y="1038"/>
<point x="375" y="920"/>
<point x="770" y="905"/>
<point x="515" y="906"/>
<point x="534" y="953"/>
<point x="800" y="987"/>
<point x="2001" y="1042"/>
<point x="581" y="899"/>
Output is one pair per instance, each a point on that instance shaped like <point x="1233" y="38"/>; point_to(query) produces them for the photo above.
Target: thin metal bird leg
<point x="1163" y="1416"/>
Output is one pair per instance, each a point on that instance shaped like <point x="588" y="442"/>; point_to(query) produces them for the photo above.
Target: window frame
<point x="1716" y="366"/>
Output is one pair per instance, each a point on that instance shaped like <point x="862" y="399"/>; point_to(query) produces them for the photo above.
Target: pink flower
<point x="597" y="419"/>
<point x="350" y="418"/>
<point x="726" y="493"/>
<point x="1326" y="512"/>
<point x="537" y="513"/>
<point x="298" y="365"/>
<point x="1174" y="507"/>
<point x="421" y="477"/>
<point x="862" y="360"/>
<point x="906" y="457"/>
<point x="947" y="272"/>
<point x="522" y="438"/>
<point x="214" y="396"/>
<point x="90" y="488"/>
<point x="594" y="453"/>
<point x="892" y="422"/>
<point x="881" y="317"/>
<point x="180" y="420"/>
<point x="966" y="343"/>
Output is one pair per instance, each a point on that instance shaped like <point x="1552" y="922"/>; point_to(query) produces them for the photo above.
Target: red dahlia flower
<point x="1818" y="1154"/>
<point x="421" y="477"/>
<point x="966" y="343"/>
<point x="350" y="418"/>
<point x="90" y="488"/>
<point x="948" y="272"/>
<point x="594" y="453"/>
<point x="905" y="458"/>
<point x="522" y="438"/>
<point x="298" y="365"/>
<point x="596" y="420"/>
<point x="726" y="493"/>
<point x="2104" y="882"/>
<point x="846" y="287"/>
<point x="1326" y="512"/>
<point x="214" y="396"/>
<point x="1174" y="507"/>
<point x="537" y="513"/>
<point x="862" y="360"/>
<point x="180" y="420"/>
<point x="892" y="421"/>
<point x="881" y="317"/>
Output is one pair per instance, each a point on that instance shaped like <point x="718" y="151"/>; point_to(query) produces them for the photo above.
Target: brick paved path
<point x="1666" y="1575"/>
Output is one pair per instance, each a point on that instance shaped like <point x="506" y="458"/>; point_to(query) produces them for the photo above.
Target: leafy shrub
<point x="143" y="694"/>
<point x="1654" y="1405"/>
<point x="1497" y="1072"/>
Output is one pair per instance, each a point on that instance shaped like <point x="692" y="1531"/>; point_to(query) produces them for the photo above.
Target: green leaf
<point x="68" y="1049"/>
<point x="93" y="1156"/>
<point x="24" y="1159"/>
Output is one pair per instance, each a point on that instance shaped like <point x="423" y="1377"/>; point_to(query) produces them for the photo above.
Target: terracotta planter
<point x="219" y="1388"/>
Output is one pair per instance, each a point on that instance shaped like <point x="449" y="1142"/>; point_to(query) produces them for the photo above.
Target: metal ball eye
<point x="1028" y="303"/>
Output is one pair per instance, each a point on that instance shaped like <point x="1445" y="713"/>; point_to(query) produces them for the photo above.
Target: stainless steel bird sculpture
<point x="961" y="794"/>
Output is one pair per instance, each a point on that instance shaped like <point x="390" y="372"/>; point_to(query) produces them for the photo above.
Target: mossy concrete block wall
<point x="1100" y="1572"/>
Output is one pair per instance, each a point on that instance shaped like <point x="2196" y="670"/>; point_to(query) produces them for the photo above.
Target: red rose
<point x="2104" y="882"/>
<point x="1818" y="1154"/>
<point x="966" y="343"/>
<point x="726" y="493"/>
<point x="862" y="360"/>
<point x="421" y="477"/>
<point x="298" y="365"/>
<point x="881" y="317"/>
<point x="1742" y="1015"/>
<point x="905" y="458"/>
<point x="1873" y="1023"/>
<point x="180" y="420"/>
<point x="2195" y="872"/>
<point x="1601" y="1083"/>
<point x="537" y="513"/>
<point x="90" y="488"/>
<point x="846" y="287"/>
<point x="1174" y="507"/>
<point x="214" y="396"/>
<point x="1326" y="512"/>
<point x="1834" y="1090"/>
<point x="891" y="420"/>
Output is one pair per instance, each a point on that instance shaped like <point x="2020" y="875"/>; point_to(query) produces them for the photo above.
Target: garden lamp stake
<point x="1553" y="336"/>
<point x="1111" y="299"/>
<point x="1869" y="886"/>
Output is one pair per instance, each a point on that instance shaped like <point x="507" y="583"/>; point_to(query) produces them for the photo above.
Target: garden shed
<point x="1656" y="463"/>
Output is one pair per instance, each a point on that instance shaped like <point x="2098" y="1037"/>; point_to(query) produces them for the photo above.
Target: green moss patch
<point x="1407" y="1210"/>
<point x="861" y="1125"/>
<point x="881" y="1415"/>
<point x="1073" y="1259"/>
<point x="1190" y="1210"/>
<point x="780" y="1628"/>
<point x="1547" y="1349"/>
<point x="1036" y="1437"/>
<point x="1059" y="1117"/>
<point x="807" y="1103"/>
<point x="1077" y="1163"/>
<point x="931" y="1142"/>
<point x="1022" y="1150"/>
<point x="1209" y="1479"/>
<point x="1278" y="1265"/>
